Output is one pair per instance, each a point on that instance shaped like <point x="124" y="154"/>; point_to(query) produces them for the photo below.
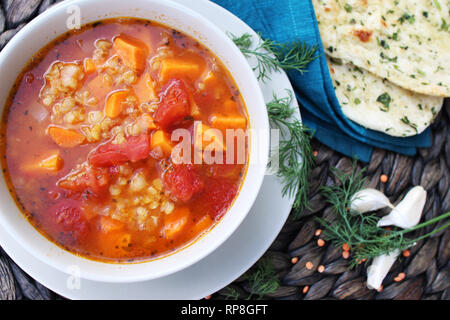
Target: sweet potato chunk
<point x="65" y="138"/>
<point x="52" y="163"/>
<point x="175" y="222"/>
<point x="133" y="53"/>
<point x="114" y="243"/>
<point x="215" y="84"/>
<point x="178" y="68"/>
<point x="222" y="122"/>
<point x="202" y="224"/>
<point x="113" y="107"/>
<point x="159" y="139"/>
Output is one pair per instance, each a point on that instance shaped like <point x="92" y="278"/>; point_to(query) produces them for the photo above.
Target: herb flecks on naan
<point x="380" y="105"/>
<point x="404" y="41"/>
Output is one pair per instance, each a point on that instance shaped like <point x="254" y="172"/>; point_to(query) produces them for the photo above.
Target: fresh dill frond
<point x="230" y="293"/>
<point x="294" y="156"/>
<point x="360" y="231"/>
<point x="272" y="56"/>
<point x="341" y="193"/>
<point x="242" y="42"/>
<point x="262" y="279"/>
<point x="295" y="56"/>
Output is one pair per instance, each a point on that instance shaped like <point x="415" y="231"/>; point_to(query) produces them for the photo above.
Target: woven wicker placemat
<point x="427" y="268"/>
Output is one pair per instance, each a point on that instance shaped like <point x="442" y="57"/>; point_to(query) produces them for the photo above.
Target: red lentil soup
<point x="86" y="140"/>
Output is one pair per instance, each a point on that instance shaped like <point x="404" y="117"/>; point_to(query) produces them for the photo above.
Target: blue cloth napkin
<point x="287" y="21"/>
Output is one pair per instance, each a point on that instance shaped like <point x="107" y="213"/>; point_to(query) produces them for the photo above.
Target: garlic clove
<point x="405" y="215"/>
<point x="408" y="212"/>
<point x="369" y="199"/>
<point x="379" y="268"/>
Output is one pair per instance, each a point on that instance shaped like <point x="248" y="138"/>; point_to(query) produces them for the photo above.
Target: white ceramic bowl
<point x="52" y="23"/>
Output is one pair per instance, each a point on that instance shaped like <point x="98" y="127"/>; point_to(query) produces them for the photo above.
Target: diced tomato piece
<point x="135" y="148"/>
<point x="94" y="180"/>
<point x="228" y="171"/>
<point x="183" y="182"/>
<point x="204" y="98"/>
<point x="138" y="148"/>
<point x="69" y="219"/>
<point x="218" y="197"/>
<point x="98" y="180"/>
<point x="106" y="155"/>
<point x="174" y="104"/>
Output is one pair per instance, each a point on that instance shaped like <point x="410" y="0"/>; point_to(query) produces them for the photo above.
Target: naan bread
<point x="380" y="105"/>
<point x="404" y="41"/>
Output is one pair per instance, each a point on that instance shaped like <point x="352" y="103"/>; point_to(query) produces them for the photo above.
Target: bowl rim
<point x="39" y="22"/>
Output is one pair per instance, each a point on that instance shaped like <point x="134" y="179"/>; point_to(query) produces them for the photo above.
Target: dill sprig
<point x="272" y="56"/>
<point x="295" y="153"/>
<point x="230" y="293"/>
<point x="360" y="231"/>
<point x="294" y="156"/>
<point x="262" y="279"/>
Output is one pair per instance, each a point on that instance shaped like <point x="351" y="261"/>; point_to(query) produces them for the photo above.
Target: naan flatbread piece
<point x="380" y="105"/>
<point x="404" y="41"/>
